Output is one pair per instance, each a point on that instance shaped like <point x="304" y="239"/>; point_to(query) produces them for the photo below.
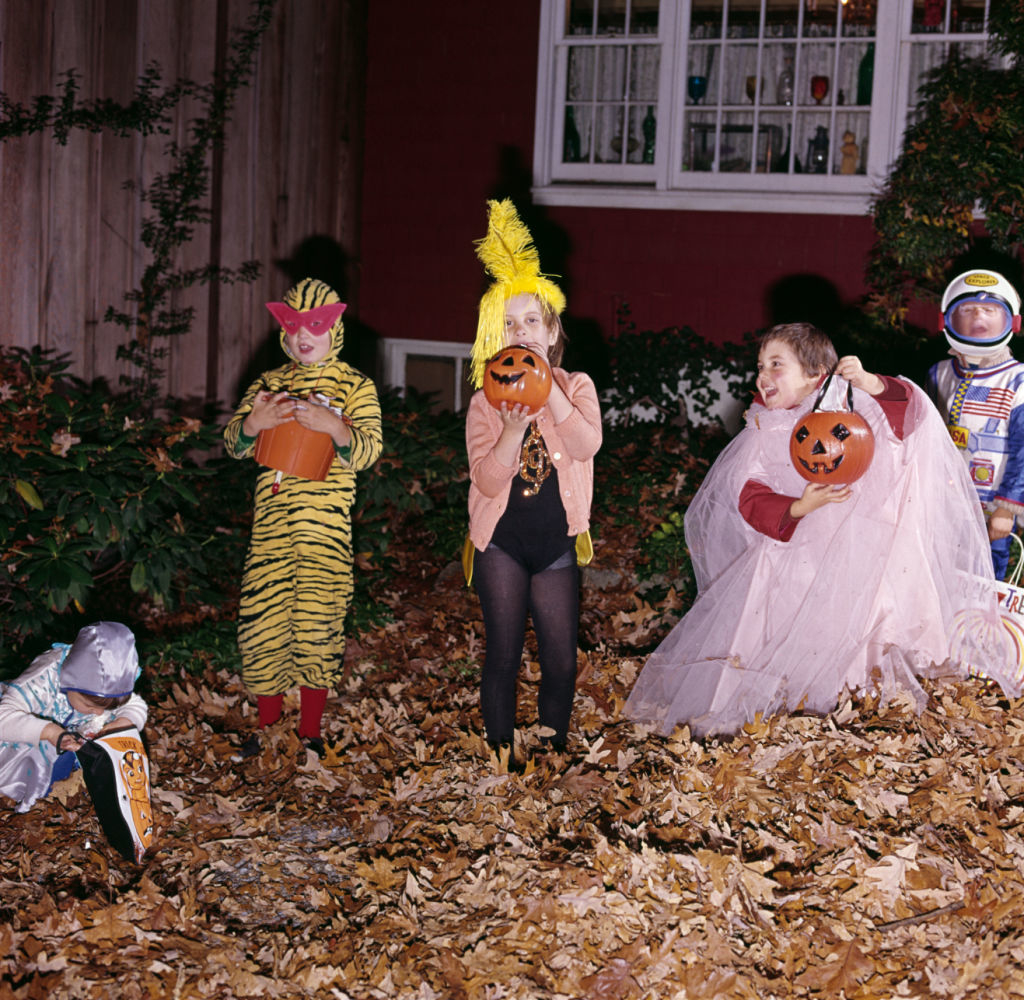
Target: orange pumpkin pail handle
<point x="824" y="389"/>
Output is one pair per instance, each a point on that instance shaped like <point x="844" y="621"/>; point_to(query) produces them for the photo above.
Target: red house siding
<point x="451" y="90"/>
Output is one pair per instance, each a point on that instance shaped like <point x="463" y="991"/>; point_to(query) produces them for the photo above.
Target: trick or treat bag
<point x="116" y="771"/>
<point x="1011" y="609"/>
<point x="971" y="631"/>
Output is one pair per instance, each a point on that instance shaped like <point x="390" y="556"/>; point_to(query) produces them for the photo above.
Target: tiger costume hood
<point x="312" y="304"/>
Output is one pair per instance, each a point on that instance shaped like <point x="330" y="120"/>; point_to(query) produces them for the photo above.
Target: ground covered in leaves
<point x="872" y="853"/>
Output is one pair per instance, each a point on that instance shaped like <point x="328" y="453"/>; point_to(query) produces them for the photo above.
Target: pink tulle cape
<point x="894" y="584"/>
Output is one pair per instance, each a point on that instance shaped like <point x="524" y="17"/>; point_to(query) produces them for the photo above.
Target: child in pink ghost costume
<point x="805" y="590"/>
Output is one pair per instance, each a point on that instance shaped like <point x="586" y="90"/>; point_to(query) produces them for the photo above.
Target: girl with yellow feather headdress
<point x="531" y="484"/>
<point x="298" y="580"/>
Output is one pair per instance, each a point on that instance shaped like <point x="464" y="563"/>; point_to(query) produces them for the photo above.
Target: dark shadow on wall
<point x="318" y="257"/>
<point x="982" y="256"/>
<point x="552" y="241"/>
<point x="268" y="355"/>
<point x="805" y="298"/>
<point x="322" y="257"/>
<point x="810" y="298"/>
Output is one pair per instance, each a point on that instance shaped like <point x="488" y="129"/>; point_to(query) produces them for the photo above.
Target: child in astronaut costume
<point x="298" y="581"/>
<point x="980" y="394"/>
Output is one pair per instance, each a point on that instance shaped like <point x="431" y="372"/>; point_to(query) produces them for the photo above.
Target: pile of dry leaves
<point x="872" y="853"/>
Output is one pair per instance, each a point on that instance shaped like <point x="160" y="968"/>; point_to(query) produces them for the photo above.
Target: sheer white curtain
<point x="610" y="90"/>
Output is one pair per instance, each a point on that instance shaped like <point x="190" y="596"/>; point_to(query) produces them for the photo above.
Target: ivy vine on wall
<point x="178" y="198"/>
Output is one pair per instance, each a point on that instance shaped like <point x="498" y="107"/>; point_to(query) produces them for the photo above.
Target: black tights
<point x="507" y="591"/>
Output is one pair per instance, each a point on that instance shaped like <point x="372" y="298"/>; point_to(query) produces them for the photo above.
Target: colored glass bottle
<point x="866" y="75"/>
<point x="649" y="127"/>
<point x="571" y="152"/>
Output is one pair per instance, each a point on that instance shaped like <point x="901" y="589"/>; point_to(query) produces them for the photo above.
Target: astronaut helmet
<point x="980" y="313"/>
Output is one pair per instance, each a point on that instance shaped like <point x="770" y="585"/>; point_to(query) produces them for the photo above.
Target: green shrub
<point x="955" y="196"/>
<point x="648" y="367"/>
<point x="665" y="547"/>
<point x="204" y="645"/>
<point x="419" y="484"/>
<point x="98" y="497"/>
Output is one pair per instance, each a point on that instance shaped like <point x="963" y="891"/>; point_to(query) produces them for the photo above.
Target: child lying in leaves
<point x="67" y="693"/>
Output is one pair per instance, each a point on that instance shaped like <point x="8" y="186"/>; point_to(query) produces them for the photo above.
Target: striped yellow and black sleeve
<point x="362" y="407"/>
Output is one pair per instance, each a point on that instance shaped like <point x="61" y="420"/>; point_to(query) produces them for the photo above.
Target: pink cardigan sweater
<point x="571" y="446"/>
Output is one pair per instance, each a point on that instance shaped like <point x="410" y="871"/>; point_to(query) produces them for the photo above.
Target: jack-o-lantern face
<point x="518" y="374"/>
<point x="830" y="446"/>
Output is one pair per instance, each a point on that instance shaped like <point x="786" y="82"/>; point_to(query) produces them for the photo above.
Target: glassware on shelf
<point x="934" y="13"/>
<point x="819" y="87"/>
<point x="817" y="152"/>
<point x="784" y="85"/>
<point x="632" y="145"/>
<point x="696" y="87"/>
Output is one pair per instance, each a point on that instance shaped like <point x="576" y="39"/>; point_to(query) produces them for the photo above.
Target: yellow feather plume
<point x="509" y="256"/>
<point x="507" y="251"/>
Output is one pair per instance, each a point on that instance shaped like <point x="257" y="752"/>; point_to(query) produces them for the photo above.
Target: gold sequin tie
<point x="534" y="463"/>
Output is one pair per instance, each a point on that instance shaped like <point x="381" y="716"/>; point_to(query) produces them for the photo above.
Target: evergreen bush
<point x="99" y="498"/>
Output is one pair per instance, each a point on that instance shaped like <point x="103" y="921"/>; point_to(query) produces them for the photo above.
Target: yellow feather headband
<point x="511" y="259"/>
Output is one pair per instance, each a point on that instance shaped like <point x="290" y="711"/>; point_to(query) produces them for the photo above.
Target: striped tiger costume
<point x="298" y="582"/>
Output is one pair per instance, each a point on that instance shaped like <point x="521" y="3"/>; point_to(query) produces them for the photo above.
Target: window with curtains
<point x="755" y="105"/>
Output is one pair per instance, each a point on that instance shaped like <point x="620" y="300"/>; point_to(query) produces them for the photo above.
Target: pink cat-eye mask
<point x="317" y="321"/>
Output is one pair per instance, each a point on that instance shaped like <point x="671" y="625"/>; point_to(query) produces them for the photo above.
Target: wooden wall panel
<point x="63" y="211"/>
<point x="114" y="226"/>
<point x="289" y="174"/>
<point x="22" y="201"/>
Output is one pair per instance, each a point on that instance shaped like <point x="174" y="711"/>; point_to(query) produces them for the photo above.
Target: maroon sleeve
<point x="766" y="511"/>
<point x="893" y="400"/>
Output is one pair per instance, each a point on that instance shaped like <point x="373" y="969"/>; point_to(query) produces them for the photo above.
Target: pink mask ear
<point x="1016" y="324"/>
<point x="289" y="318"/>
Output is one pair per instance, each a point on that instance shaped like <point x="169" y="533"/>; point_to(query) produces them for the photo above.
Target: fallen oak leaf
<point x="107" y="925"/>
<point x="703" y="983"/>
<point x="578" y="781"/>
<point x="612" y="982"/>
<point x="589" y="901"/>
<point x="842" y="974"/>
<point x="454" y="972"/>
<point x="889" y="875"/>
<point x="412" y="889"/>
<point x="595" y="755"/>
<point x="380" y="873"/>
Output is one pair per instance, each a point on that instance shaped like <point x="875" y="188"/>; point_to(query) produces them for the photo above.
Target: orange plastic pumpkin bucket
<point x="832" y="446"/>
<point x="296" y="450"/>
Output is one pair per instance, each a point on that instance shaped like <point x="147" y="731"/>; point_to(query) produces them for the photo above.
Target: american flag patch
<point x="986" y="402"/>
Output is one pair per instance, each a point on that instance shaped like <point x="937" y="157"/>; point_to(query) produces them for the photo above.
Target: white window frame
<point x="397" y="350"/>
<point x="664" y="184"/>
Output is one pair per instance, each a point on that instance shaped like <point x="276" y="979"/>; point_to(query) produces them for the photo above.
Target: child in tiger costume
<point x="297" y="582"/>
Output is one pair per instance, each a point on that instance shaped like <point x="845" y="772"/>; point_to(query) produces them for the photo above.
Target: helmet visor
<point x="980" y="318"/>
